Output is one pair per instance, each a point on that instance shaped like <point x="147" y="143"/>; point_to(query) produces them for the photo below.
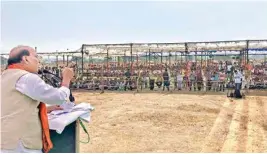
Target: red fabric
<point x="47" y="143"/>
<point x="15" y="66"/>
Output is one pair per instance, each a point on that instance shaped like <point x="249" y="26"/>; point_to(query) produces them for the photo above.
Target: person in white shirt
<point x="121" y="86"/>
<point x="204" y="77"/>
<point x="265" y="71"/>
<point x="229" y="68"/>
<point x="243" y="80"/>
<point x="179" y="80"/>
<point x="238" y="79"/>
<point x="21" y="129"/>
<point x="238" y="82"/>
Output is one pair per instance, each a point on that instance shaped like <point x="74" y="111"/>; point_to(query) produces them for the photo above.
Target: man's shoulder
<point x="15" y="71"/>
<point x="30" y="77"/>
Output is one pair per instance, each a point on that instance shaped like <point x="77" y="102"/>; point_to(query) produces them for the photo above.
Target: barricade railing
<point x="135" y="84"/>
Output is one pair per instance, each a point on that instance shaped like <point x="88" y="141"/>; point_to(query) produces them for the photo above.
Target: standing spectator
<point x="215" y="81"/>
<point x="140" y="81"/>
<point x="205" y="78"/>
<point x="152" y="79"/>
<point x="199" y="79"/>
<point x="128" y="79"/>
<point x="192" y="81"/>
<point x="159" y="81"/>
<point x="179" y="79"/>
<point x="146" y="79"/>
<point x="166" y="82"/>
<point x="222" y="80"/>
<point x="238" y="81"/>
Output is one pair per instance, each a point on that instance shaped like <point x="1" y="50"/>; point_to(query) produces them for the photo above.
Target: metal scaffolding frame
<point x="216" y="48"/>
<point x="57" y="55"/>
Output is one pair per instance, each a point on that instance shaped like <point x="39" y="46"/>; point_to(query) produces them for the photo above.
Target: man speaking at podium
<point x="24" y="122"/>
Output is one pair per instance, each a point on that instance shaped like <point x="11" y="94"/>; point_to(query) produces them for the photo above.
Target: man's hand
<point x="53" y="108"/>
<point x="67" y="75"/>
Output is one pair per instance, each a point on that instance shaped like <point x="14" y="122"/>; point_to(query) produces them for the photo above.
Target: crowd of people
<point x="190" y="76"/>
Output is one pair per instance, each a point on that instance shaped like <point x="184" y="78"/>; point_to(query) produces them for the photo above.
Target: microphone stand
<point x="52" y="83"/>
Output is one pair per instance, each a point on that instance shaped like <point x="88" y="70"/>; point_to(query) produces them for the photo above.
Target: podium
<point x="67" y="141"/>
<point x="65" y="128"/>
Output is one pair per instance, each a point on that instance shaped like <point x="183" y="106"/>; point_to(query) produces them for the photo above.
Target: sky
<point x="63" y="25"/>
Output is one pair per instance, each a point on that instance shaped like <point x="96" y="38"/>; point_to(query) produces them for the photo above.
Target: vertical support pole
<point x="247" y="49"/>
<point x="166" y="59"/>
<point x="245" y="57"/>
<point x="63" y="59"/>
<point x="137" y="58"/>
<point x="175" y="56"/>
<point x="87" y="74"/>
<point x="89" y="60"/>
<point x="57" y="59"/>
<point x="186" y="51"/>
<point x="131" y="49"/>
<point x="196" y="58"/>
<point x="161" y="54"/>
<point x="240" y="57"/>
<point x="107" y="61"/>
<point x="82" y="58"/>
<point x="206" y="58"/>
<point x="118" y="60"/>
<point x="181" y="57"/>
<point x="67" y="60"/>
<point x="146" y="58"/>
<point x="149" y="57"/>
<point x="102" y="78"/>
<point x="154" y="57"/>
<point x="76" y="60"/>
<point x="124" y="56"/>
<point x="201" y="59"/>
<point x="169" y="58"/>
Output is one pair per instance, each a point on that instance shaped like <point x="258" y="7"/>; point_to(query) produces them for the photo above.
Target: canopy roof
<point x="141" y="48"/>
<point x="101" y="50"/>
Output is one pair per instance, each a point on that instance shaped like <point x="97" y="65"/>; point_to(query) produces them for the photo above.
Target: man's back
<point x="17" y="108"/>
<point x="128" y="74"/>
<point x="237" y="77"/>
<point x="216" y="76"/>
<point x="165" y="76"/>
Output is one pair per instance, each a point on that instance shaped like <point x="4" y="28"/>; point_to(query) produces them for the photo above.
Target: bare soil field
<point x="157" y="122"/>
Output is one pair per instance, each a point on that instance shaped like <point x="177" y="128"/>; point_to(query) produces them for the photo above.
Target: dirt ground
<point x="156" y="122"/>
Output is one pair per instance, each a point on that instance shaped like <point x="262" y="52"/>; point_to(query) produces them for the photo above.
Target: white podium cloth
<point x="59" y="119"/>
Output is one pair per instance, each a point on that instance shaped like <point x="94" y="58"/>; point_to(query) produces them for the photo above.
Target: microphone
<point x="55" y="77"/>
<point x="46" y="71"/>
<point x="40" y="71"/>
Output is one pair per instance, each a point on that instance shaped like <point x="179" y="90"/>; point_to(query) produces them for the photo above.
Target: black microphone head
<point x="46" y="71"/>
<point x="40" y="72"/>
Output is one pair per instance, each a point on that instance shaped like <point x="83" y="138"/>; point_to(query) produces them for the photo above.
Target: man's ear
<point x="24" y="60"/>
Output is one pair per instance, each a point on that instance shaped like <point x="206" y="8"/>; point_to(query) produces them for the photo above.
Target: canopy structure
<point x="57" y="55"/>
<point x="242" y="48"/>
<point x="186" y="47"/>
